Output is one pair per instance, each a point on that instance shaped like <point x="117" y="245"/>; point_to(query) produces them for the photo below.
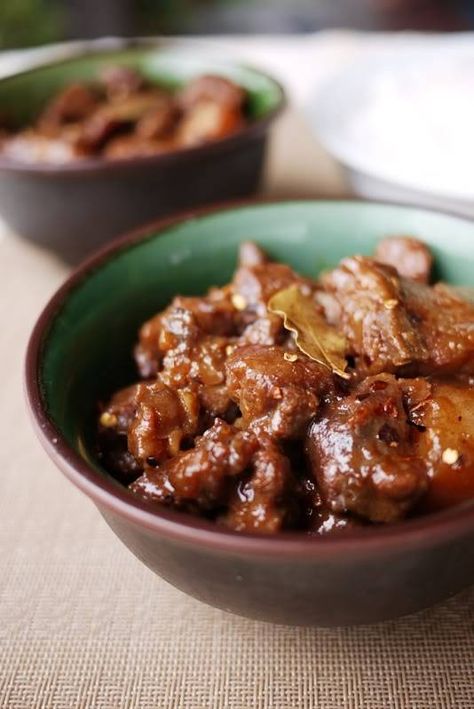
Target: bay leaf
<point x="313" y="335"/>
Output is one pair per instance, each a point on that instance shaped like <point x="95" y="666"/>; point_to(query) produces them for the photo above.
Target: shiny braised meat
<point x="234" y="421"/>
<point x="397" y="325"/>
<point x="277" y="391"/>
<point x="447" y="415"/>
<point x="121" y="115"/>
<point x="226" y="468"/>
<point x="362" y="448"/>
<point x="410" y="257"/>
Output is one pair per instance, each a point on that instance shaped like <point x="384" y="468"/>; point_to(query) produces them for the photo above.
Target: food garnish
<point x="313" y="335"/>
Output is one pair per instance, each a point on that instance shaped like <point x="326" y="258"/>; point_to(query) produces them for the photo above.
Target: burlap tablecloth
<point x="84" y="624"/>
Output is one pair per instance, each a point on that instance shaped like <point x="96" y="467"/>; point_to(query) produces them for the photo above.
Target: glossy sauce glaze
<point x="234" y="420"/>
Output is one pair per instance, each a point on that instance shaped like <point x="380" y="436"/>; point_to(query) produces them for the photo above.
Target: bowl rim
<point x="99" y="165"/>
<point x="105" y="492"/>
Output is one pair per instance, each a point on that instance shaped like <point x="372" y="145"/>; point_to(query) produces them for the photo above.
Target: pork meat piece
<point x="207" y="121"/>
<point x="362" y="452"/>
<point x="112" y="118"/>
<point x="373" y="318"/>
<point x="446" y="418"/>
<point x="201" y="474"/>
<point x="202" y="365"/>
<point x="261" y="501"/>
<point x="411" y="258"/>
<point x="265" y="330"/>
<point x="277" y="391"/>
<point x="186" y="355"/>
<point x="155" y="418"/>
<point x="397" y="325"/>
<point x="114" y="424"/>
<point x="181" y="324"/>
<point x="159" y="121"/>
<point x="215" y="89"/>
<point x="446" y="323"/>
<point x="72" y="105"/>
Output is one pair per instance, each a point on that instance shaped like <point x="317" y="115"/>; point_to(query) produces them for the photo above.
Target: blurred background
<point x="26" y="23"/>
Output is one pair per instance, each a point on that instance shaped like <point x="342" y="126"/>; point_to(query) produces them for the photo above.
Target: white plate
<point x="402" y="123"/>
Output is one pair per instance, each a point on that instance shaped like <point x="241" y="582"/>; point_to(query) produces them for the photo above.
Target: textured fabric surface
<point x="84" y="624"/>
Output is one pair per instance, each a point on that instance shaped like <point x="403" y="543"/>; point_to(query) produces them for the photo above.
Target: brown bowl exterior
<point x="76" y="207"/>
<point x="349" y="587"/>
<point x="358" y="579"/>
<point x="74" y="211"/>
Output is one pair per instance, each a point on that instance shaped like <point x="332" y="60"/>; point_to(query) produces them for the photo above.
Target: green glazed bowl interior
<point x="82" y="347"/>
<point x="23" y="95"/>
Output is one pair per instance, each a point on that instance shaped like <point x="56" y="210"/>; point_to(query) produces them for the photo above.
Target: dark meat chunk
<point x="115" y="422"/>
<point x="121" y="82"/>
<point x="112" y="118"/>
<point x="98" y="129"/>
<point x="75" y="103"/>
<point x="446" y="418"/>
<point x="277" y="391"/>
<point x="212" y="110"/>
<point x="201" y="364"/>
<point x="397" y="325"/>
<point x="207" y="121"/>
<point x="373" y="318"/>
<point x="230" y="466"/>
<point x="329" y="305"/>
<point x="155" y="418"/>
<point x="202" y="474"/>
<point x="265" y="330"/>
<point x="411" y="258"/>
<point x="148" y="353"/>
<point x="214" y="89"/>
<point x="121" y="115"/>
<point x="181" y="325"/>
<point x="446" y="324"/>
<point x="187" y="355"/>
<point x="117" y="459"/>
<point x="256" y="280"/>
<point x="260" y="503"/>
<point x="215" y="313"/>
<point x="159" y="120"/>
<point x="224" y="312"/>
<point x="164" y="418"/>
<point x="362" y="452"/>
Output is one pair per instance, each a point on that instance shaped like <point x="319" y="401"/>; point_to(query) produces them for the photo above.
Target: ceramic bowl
<point x="74" y="208"/>
<point x="80" y="351"/>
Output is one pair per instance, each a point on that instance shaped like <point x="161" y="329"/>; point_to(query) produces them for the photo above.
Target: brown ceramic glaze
<point x="74" y="211"/>
<point x="74" y="208"/>
<point x="364" y="576"/>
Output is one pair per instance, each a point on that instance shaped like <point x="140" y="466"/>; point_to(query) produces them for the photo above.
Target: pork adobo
<point x="121" y="115"/>
<point x="278" y="402"/>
